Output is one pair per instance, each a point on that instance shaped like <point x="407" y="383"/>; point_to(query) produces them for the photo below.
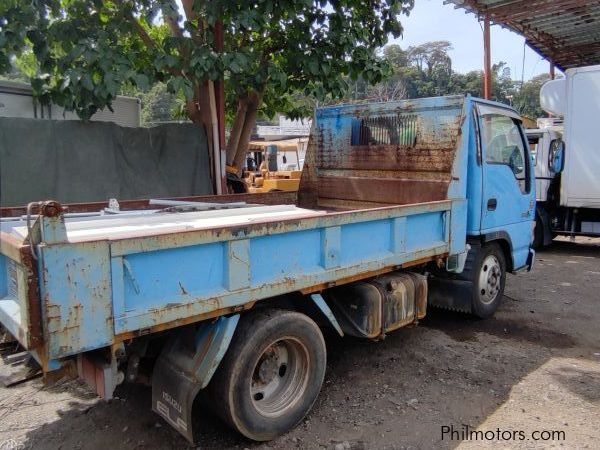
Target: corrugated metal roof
<point x="564" y="31"/>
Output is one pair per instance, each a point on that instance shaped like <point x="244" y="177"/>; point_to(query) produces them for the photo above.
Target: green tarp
<point x="75" y="162"/>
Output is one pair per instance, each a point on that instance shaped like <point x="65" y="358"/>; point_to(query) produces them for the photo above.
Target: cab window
<point x="503" y="144"/>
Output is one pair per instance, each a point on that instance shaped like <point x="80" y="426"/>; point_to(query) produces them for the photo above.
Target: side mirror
<point x="556" y="156"/>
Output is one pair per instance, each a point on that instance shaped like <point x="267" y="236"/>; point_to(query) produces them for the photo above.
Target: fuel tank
<point x="373" y="308"/>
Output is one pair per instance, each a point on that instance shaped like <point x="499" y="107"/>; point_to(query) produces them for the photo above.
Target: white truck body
<point x="577" y="99"/>
<point x="567" y="163"/>
<point x="540" y="140"/>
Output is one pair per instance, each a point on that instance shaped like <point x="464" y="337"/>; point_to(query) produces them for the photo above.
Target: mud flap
<point x="454" y="295"/>
<point x="324" y="307"/>
<point x="186" y="365"/>
<point x="530" y="260"/>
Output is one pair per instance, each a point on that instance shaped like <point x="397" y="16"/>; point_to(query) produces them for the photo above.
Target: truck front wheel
<point x="271" y="374"/>
<point x="488" y="273"/>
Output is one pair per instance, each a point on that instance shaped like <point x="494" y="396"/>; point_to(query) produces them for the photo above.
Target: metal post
<point x="552" y="77"/>
<point x="487" y="60"/>
<point x="220" y="103"/>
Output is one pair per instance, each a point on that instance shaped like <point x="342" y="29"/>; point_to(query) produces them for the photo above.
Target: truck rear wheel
<point x="488" y="274"/>
<point x="271" y="374"/>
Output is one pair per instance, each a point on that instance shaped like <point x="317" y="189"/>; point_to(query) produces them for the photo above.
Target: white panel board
<point x="581" y="180"/>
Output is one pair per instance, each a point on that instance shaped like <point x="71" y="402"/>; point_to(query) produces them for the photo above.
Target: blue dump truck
<point x="401" y="205"/>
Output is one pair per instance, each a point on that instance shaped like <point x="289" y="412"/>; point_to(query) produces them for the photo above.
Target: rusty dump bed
<point x="383" y="187"/>
<point x="368" y="156"/>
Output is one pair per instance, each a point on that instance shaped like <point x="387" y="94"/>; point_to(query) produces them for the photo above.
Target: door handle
<point x="492" y="204"/>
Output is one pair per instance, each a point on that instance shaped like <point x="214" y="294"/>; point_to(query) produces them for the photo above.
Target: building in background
<point x="286" y="129"/>
<point x="16" y="100"/>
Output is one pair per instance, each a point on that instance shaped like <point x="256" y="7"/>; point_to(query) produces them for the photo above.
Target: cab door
<point x="508" y="200"/>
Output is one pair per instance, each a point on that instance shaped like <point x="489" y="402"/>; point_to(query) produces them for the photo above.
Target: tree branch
<point x="144" y="36"/>
<point x="188" y="8"/>
<point x="190" y="15"/>
<point x="141" y="31"/>
<point x="174" y="27"/>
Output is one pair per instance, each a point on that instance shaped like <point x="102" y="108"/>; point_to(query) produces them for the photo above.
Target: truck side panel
<point x="76" y="297"/>
<point x="580" y="187"/>
<point x="98" y="293"/>
<point x="160" y="286"/>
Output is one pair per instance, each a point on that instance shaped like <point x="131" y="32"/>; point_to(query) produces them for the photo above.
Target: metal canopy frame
<point x="566" y="32"/>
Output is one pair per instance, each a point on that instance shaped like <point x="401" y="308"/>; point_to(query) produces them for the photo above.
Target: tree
<point x="503" y="87"/>
<point x="468" y="83"/>
<point x="527" y="101"/>
<point x="388" y="91"/>
<point x="426" y="70"/>
<point x="431" y="57"/>
<point x="159" y="105"/>
<point x="395" y="55"/>
<point x="272" y="49"/>
<point x="22" y="68"/>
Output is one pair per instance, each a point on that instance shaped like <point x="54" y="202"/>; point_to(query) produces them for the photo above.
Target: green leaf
<point x="86" y="82"/>
<point x="142" y="81"/>
<point x="188" y="90"/>
<point x="282" y="49"/>
<point x="313" y="66"/>
<point x="65" y="84"/>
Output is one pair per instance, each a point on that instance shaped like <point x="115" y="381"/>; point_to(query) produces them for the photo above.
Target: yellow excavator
<point x="274" y="165"/>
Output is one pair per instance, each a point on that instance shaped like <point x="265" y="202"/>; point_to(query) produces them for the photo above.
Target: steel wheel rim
<point x="490" y="279"/>
<point x="280" y="377"/>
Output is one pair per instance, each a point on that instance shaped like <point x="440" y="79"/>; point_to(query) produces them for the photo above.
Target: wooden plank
<point x="392" y="174"/>
<point x="388" y="157"/>
<point x="334" y="204"/>
<point x="382" y="190"/>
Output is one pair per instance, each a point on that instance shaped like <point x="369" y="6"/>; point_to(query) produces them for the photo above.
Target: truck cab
<point x="508" y="188"/>
<point x="547" y="150"/>
<point x="501" y="209"/>
<point x="544" y="142"/>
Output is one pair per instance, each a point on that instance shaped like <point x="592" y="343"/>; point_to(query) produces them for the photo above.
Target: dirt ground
<point x="533" y="368"/>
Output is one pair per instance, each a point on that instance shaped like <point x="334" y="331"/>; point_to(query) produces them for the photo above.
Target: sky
<point x="431" y="20"/>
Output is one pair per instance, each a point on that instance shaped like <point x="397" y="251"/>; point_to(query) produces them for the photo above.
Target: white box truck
<point x="567" y="150"/>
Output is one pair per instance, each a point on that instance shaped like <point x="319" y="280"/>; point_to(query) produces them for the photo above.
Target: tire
<point x="486" y="269"/>
<point x="538" y="234"/>
<point x="271" y="374"/>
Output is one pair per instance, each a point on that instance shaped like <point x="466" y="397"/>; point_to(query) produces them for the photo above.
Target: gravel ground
<point x="533" y="368"/>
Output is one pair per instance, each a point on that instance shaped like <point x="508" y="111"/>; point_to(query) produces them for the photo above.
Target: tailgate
<point x="19" y="297"/>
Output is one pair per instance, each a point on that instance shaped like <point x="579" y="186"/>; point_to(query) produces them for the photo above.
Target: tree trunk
<point x="192" y="111"/>
<point x="236" y="131"/>
<point x="246" y="131"/>
<point x="199" y="112"/>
